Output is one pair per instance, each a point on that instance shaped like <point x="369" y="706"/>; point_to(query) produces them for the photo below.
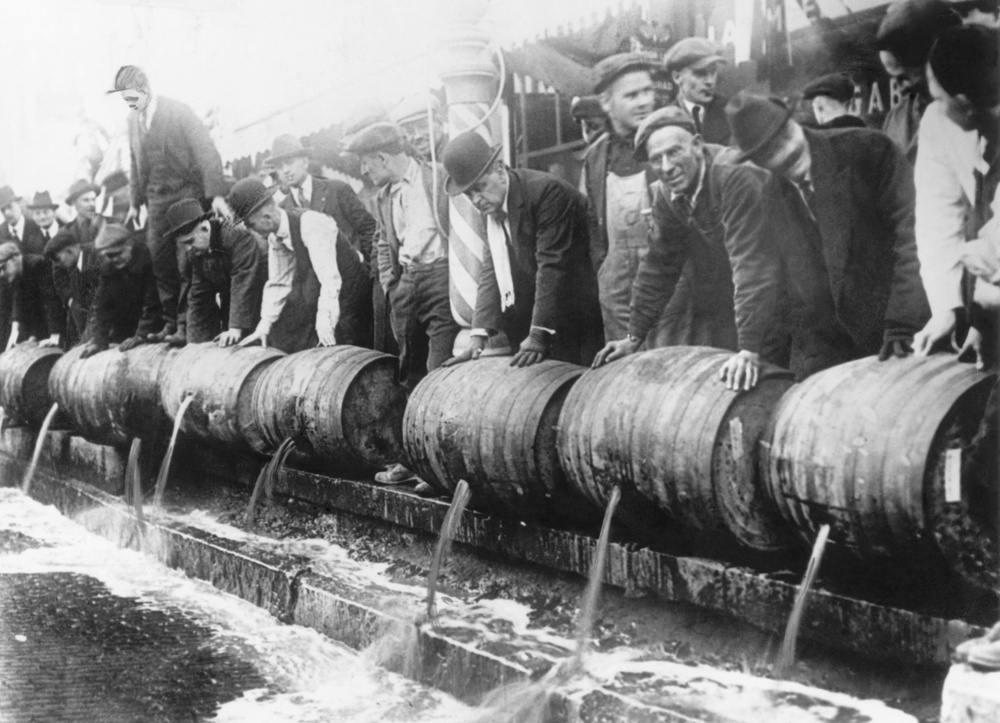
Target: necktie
<point x="696" y="111"/>
<point x="300" y="197"/>
<point x="682" y="204"/>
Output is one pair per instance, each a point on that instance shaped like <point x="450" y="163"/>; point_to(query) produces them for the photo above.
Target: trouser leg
<point x="164" y="253"/>
<point x="436" y="320"/>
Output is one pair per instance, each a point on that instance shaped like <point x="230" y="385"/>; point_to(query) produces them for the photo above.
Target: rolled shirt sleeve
<point x="319" y="234"/>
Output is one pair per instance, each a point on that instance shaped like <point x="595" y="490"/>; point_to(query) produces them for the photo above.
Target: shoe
<point x="425" y="490"/>
<point x="395" y="474"/>
<point x="985" y="656"/>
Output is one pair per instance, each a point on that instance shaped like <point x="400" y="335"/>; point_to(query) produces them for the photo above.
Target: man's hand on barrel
<point x="326" y="337"/>
<point x="257" y="336"/>
<point x="895" y="344"/>
<point x="741" y="370"/>
<point x="91" y="348"/>
<point x="229" y="337"/>
<point x="131" y="343"/>
<point x="471" y="353"/>
<point x="534" y="348"/>
<point x="615" y="350"/>
<point x="936" y="331"/>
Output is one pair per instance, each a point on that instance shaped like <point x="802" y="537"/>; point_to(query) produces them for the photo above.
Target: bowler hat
<point x="7" y="196"/>
<point x="42" y="199"/>
<point x="287" y="146"/>
<point x="246" y="196"/>
<point x="62" y="240"/>
<point x="835" y="85"/>
<point x="755" y="121"/>
<point x="375" y="137"/>
<point x="111" y="235"/>
<point x="184" y="215"/>
<point x="587" y="106"/>
<point x="79" y="188"/>
<point x="614" y="66"/>
<point x="466" y="158"/>
<point x="697" y="53"/>
<point x="964" y="61"/>
<point x="910" y="26"/>
<point x="8" y="250"/>
<point x="414" y="108"/>
<point x="670" y="115"/>
<point x="130" y="76"/>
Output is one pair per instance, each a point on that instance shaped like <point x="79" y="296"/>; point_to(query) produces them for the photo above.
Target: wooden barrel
<point x="875" y="449"/>
<point x="24" y="383"/>
<point x="222" y="382"/>
<point x="342" y="404"/>
<point x="662" y="426"/>
<point x="494" y="426"/>
<point x="113" y="397"/>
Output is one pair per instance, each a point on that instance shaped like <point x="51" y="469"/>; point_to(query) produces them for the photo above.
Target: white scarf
<point x="496" y="235"/>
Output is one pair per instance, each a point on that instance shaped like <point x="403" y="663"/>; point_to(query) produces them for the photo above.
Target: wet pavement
<point x="91" y="632"/>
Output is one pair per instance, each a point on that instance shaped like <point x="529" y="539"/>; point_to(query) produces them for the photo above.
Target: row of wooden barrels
<point x="877" y="450"/>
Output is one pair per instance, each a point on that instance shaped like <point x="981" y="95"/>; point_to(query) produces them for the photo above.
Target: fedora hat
<point x="7" y="196"/>
<point x="755" y="121"/>
<point x="670" y="115"/>
<point x="466" y="158"/>
<point x="79" y="188"/>
<point x="42" y="199"/>
<point x="287" y="146"/>
<point x="246" y="196"/>
<point x="184" y="215"/>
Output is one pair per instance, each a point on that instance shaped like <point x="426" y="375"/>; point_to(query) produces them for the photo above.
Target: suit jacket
<point x="75" y="290"/>
<point x="549" y="259"/>
<point x="126" y="302"/>
<point x="176" y="156"/>
<point x="83" y="231"/>
<point x="337" y="199"/>
<point x="33" y="241"/>
<point x="714" y="125"/>
<point x="389" y="269"/>
<point x="36" y="308"/>
<point x="864" y="210"/>
<point x="235" y="269"/>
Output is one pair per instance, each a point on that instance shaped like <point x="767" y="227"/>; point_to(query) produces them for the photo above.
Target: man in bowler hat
<point x="841" y="245"/>
<point x="173" y="157"/>
<point x="694" y="65"/>
<point x="830" y="96"/>
<point x="35" y="314"/>
<point x="43" y="213"/>
<point x="225" y="261"/>
<point x="536" y="283"/>
<point x="301" y="302"/>
<point x="126" y="308"/>
<point x="76" y="272"/>
<point x="356" y="233"/>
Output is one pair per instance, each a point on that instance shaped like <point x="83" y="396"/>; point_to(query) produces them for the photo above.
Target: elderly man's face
<point x="119" y="256"/>
<point x="44" y="216"/>
<point x="676" y="155"/>
<point x="787" y="155"/>
<point x="488" y="193"/>
<point x="266" y="219"/>
<point x="11" y="269"/>
<point x="697" y="85"/>
<point x="11" y="213"/>
<point x="418" y="133"/>
<point x="374" y="166"/>
<point x="86" y="204"/>
<point x="135" y="99"/>
<point x="68" y="256"/>
<point x="292" y="171"/>
<point x="628" y="100"/>
<point x="198" y="239"/>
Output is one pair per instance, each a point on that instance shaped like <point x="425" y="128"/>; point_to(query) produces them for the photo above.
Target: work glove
<point x="533" y="349"/>
<point x="131" y="343"/>
<point x="896" y="344"/>
<point x="91" y="348"/>
<point x="471" y="353"/>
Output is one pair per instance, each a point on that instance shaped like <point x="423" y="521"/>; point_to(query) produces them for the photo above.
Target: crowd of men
<point x="712" y="221"/>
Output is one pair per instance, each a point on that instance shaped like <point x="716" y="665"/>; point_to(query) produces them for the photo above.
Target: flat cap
<point x="62" y="240"/>
<point x="79" y="188"/>
<point x="697" y="53"/>
<point x="670" y="115"/>
<point x="587" y="106"/>
<point x="614" y="66"/>
<point x="8" y="250"/>
<point x="910" y="26"/>
<point x="413" y="108"/>
<point x="130" y="76"/>
<point x="363" y="116"/>
<point x="111" y="235"/>
<point x="375" y="137"/>
<point x="835" y="85"/>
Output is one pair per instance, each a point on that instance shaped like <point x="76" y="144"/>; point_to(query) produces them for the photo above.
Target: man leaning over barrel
<point x="706" y="211"/>
<point x="35" y="314"/>
<point x="126" y="306"/>
<point x="536" y="277"/>
<point x="226" y="261"/>
<point x="76" y="272"/>
<point x="300" y="307"/>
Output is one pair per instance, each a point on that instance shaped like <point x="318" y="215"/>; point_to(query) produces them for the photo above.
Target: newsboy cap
<point x="755" y="121"/>
<point x="910" y="26"/>
<point x="670" y="115"/>
<point x="246" y="196"/>
<point x="375" y="137"/>
<point x="111" y="235"/>
<point x="130" y="76"/>
<point x="964" y="61"/>
<point x="466" y="158"/>
<point x="414" y="108"/>
<point x="7" y="196"/>
<point x="79" y="188"/>
<point x="8" y="250"/>
<point x="62" y="240"/>
<point x="42" y="199"/>
<point x="697" y="53"/>
<point x="835" y="85"/>
<point x="287" y="146"/>
<point x="184" y="215"/>
<point x="614" y="66"/>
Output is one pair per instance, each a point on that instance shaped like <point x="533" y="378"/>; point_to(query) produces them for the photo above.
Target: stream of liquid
<point x="29" y="475"/>
<point x="786" y="656"/>
<point x="452" y="519"/>
<point x="164" y="474"/>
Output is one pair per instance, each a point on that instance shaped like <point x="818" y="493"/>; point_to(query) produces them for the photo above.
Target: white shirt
<point x="52" y="230"/>
<point x="319" y="235"/>
<point x="413" y="220"/>
<point x="17" y="229"/>
<point x="302" y="195"/>
<point x="946" y="159"/>
<point x="148" y="112"/>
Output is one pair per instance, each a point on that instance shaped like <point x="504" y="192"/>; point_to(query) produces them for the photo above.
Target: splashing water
<point x="448" y="530"/>
<point x="39" y="443"/>
<point x="786" y="657"/>
<point x="266" y="478"/>
<point x="588" y="608"/>
<point x="164" y="474"/>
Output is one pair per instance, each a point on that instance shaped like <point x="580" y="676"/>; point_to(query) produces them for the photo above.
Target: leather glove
<point x="533" y="349"/>
<point x="471" y="353"/>
<point x="896" y="344"/>
<point x="91" y="348"/>
<point x="131" y="343"/>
